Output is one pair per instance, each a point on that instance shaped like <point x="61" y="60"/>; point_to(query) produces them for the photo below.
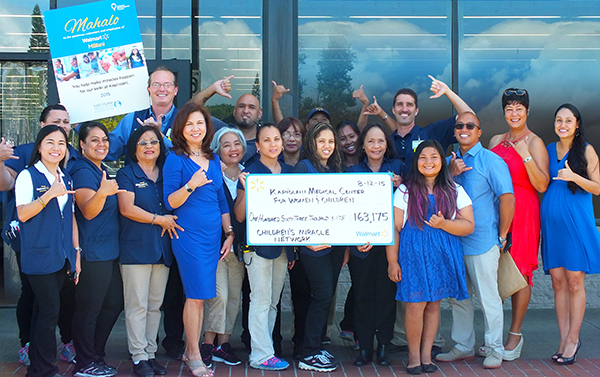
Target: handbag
<point x="510" y="280"/>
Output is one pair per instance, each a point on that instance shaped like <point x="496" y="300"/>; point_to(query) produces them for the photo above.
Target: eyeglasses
<point x="166" y="85"/>
<point x="519" y="92"/>
<point x="143" y="143"/>
<point x="470" y="126"/>
<point x="289" y="135"/>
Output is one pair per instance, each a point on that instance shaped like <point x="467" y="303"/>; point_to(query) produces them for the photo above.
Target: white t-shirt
<point x="401" y="200"/>
<point x="24" y="186"/>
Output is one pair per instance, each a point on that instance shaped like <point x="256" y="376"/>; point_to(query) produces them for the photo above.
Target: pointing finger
<point x="431" y="77"/>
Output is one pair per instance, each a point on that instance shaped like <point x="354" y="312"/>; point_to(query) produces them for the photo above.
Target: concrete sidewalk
<point x="539" y="330"/>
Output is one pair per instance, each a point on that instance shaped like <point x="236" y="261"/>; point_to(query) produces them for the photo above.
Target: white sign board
<point x="314" y="209"/>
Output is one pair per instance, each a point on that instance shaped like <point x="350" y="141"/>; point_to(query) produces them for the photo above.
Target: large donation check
<point x="314" y="209"/>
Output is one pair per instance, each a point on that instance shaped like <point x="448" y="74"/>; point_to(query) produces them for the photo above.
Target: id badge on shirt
<point x="415" y="143"/>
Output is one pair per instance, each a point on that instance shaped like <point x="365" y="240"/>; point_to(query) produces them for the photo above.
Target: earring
<point x="577" y="132"/>
<point x="282" y="149"/>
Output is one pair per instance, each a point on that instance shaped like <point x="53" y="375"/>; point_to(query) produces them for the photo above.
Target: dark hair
<point x="42" y="134"/>
<point x="135" y="137"/>
<point x="139" y="54"/>
<point x="179" y="143"/>
<point x="577" y="161"/>
<point x="408" y="91"/>
<point x="513" y="98"/>
<point x="85" y="129"/>
<point x="349" y="123"/>
<point x="46" y="112"/>
<point x="261" y="127"/>
<point x="162" y="68"/>
<point x="288" y="122"/>
<point x="444" y="188"/>
<point x="389" y="150"/>
<point x="309" y="149"/>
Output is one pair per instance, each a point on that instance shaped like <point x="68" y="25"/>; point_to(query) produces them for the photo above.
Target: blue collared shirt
<point x="488" y="179"/>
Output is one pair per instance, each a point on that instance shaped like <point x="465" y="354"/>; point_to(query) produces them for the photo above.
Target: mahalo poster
<point x="98" y="59"/>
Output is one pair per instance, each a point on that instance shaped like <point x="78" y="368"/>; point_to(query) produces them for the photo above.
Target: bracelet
<point x="385" y="117"/>
<point x="230" y="233"/>
<point x="39" y="198"/>
<point x="154" y="218"/>
<point x="78" y="248"/>
<point x="230" y="227"/>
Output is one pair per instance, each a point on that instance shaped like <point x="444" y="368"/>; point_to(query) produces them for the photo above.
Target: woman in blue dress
<point x="426" y="260"/>
<point x="570" y="240"/>
<point x="193" y="188"/>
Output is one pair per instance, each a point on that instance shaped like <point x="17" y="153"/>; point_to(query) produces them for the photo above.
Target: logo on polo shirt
<point x="42" y="188"/>
<point x="142" y="184"/>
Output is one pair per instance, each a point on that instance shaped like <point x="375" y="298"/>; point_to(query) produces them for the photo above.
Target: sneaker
<point x="493" y="360"/>
<point x="94" y="369"/>
<point x="329" y="356"/>
<point x="326" y="340"/>
<point x="347" y="335"/>
<point x="206" y="351"/>
<point x="67" y="353"/>
<point x="356" y="346"/>
<point x="224" y="354"/>
<point x="24" y="355"/>
<point x="106" y="367"/>
<point x="274" y="363"/>
<point x="317" y="362"/>
<point x="455" y="355"/>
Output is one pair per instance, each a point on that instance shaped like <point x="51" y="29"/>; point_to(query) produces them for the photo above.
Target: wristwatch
<point x="501" y="240"/>
<point x="188" y="188"/>
<point x="527" y="159"/>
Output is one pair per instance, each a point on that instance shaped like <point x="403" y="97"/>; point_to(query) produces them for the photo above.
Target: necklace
<point x="197" y="154"/>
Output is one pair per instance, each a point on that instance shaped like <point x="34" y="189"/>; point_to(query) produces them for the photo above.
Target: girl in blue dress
<point x="570" y="240"/>
<point x="426" y="260"/>
<point x="193" y="189"/>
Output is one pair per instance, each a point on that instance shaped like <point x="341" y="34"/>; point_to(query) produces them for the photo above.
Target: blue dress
<point x="432" y="264"/>
<point x="198" y="248"/>
<point x="570" y="238"/>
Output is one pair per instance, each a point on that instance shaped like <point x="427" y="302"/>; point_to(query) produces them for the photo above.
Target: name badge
<point x="142" y="184"/>
<point x="416" y="143"/>
<point x="42" y="188"/>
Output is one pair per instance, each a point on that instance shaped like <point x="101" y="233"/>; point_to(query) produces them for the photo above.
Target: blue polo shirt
<point x="142" y="243"/>
<point x="485" y="183"/>
<point x="268" y="252"/>
<point x="98" y="237"/>
<point x="442" y="131"/>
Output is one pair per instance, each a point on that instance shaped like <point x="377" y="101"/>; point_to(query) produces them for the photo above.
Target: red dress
<point x="525" y="227"/>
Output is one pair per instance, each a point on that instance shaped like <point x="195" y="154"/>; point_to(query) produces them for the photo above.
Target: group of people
<point x="169" y="232"/>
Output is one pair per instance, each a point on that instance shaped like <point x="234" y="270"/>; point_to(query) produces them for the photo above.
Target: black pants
<point x="374" y="293"/>
<point x="172" y="308"/>
<point x="322" y="273"/>
<point x="277" y="338"/>
<point x="46" y="308"/>
<point x="300" y="290"/>
<point x="25" y="308"/>
<point x="347" y="322"/>
<point x="99" y="303"/>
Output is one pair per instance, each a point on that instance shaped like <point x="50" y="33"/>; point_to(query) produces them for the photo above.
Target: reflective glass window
<point x="21" y="26"/>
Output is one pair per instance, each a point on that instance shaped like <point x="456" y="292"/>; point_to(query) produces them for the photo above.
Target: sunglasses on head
<point x="519" y="92"/>
<point x="470" y="126"/>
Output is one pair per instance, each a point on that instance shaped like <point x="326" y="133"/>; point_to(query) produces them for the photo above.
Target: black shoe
<point x="364" y="358"/>
<point x="382" y="355"/>
<point x="569" y="360"/>
<point x="429" y="368"/>
<point x="107" y="368"/>
<point x="224" y="354"/>
<point x="175" y="353"/>
<point x="206" y="353"/>
<point x="317" y="362"/>
<point x="93" y="369"/>
<point x="143" y="369"/>
<point x="414" y="370"/>
<point x="158" y="369"/>
<point x="435" y="350"/>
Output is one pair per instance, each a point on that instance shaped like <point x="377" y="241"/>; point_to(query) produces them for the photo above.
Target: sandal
<point x="197" y="367"/>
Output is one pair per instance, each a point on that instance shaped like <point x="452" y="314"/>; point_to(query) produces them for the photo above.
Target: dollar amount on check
<point x="314" y="209"/>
